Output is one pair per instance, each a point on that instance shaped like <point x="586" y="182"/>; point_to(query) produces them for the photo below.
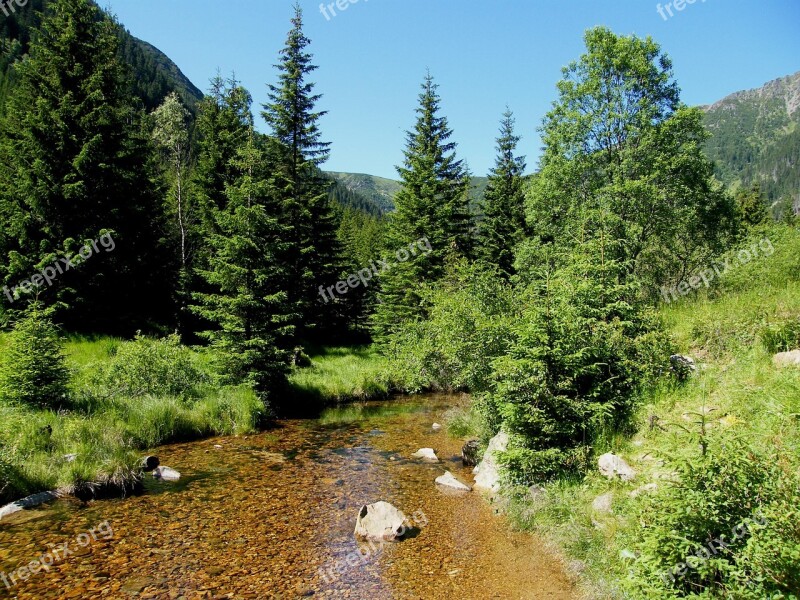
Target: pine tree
<point x="75" y="161"/>
<point x="315" y="254"/>
<point x="503" y="226"/>
<point x="248" y="304"/>
<point x="432" y="203"/>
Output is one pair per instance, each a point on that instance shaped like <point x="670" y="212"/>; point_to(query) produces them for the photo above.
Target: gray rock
<point x="603" y="503"/>
<point x="436" y="427"/>
<point x="426" y="454"/>
<point x="488" y="471"/>
<point x="150" y="463"/>
<point x="28" y="503"/>
<point x="166" y="474"/>
<point x="380" y="522"/>
<point x="469" y="453"/>
<point x="682" y="366"/>
<point x="612" y="466"/>
<point x="786" y="359"/>
<point x="448" y="480"/>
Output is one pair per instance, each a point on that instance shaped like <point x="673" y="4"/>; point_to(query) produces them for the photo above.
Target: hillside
<point x="756" y="139"/>
<point x="381" y="191"/>
<point x="154" y="74"/>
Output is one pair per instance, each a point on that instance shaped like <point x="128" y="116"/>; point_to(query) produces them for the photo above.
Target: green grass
<point x="743" y="393"/>
<point x="341" y="375"/>
<point x="109" y="432"/>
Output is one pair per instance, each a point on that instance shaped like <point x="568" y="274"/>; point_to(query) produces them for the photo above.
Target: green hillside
<point x="756" y="139"/>
<point x="382" y="191"/>
<point x="154" y="75"/>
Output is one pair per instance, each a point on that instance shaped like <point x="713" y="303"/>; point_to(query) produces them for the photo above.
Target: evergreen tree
<point x="314" y="253"/>
<point x="75" y="161"/>
<point x="503" y="225"/>
<point x="432" y="203"/>
<point x="751" y="205"/>
<point x="248" y="303"/>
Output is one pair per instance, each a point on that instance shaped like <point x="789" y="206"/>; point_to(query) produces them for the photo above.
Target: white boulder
<point x="612" y="466"/>
<point x="426" y="454"/>
<point x="785" y="359"/>
<point x="449" y="481"/>
<point x="166" y="474"/>
<point x="488" y="471"/>
<point x="380" y="522"/>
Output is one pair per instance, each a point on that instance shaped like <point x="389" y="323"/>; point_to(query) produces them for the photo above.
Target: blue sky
<point x="483" y="54"/>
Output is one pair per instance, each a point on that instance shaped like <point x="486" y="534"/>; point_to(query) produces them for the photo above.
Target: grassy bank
<point x="128" y="397"/>
<point x="709" y="453"/>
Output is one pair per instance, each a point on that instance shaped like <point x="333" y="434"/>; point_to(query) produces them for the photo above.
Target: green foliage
<point x="247" y="301"/>
<point x="726" y="528"/>
<point x="432" y="203"/>
<point x="73" y="144"/>
<point x="584" y="349"/>
<point x="313" y="252"/>
<point x="503" y="226"/>
<point x="782" y="337"/>
<point x="470" y="317"/>
<point x="619" y="137"/>
<point x="149" y="367"/>
<point x="33" y="371"/>
<point x="752" y="206"/>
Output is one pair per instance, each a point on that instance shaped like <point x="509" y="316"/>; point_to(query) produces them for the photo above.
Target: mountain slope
<point x="154" y="74"/>
<point x="756" y="139"/>
<point x="381" y="191"/>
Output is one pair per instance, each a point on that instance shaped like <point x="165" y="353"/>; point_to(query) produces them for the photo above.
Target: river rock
<point x="380" y="522"/>
<point x="785" y="359"/>
<point x="448" y="480"/>
<point x="603" y="503"/>
<point x="682" y="366"/>
<point x="612" y="466"/>
<point x="426" y="454"/>
<point x="166" y="474"/>
<point x="28" y="503"/>
<point x="488" y="471"/>
<point x="150" y="463"/>
<point x="436" y="427"/>
<point x="469" y="453"/>
<point x="645" y="489"/>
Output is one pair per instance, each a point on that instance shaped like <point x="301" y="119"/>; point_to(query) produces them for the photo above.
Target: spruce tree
<point x="503" y="225"/>
<point x="75" y="161"/>
<point x="432" y="204"/>
<point x="314" y="254"/>
<point x="248" y="303"/>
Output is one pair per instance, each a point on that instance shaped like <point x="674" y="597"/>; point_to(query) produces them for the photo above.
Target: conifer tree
<point x="314" y="253"/>
<point x="503" y="226"/>
<point x="432" y="203"/>
<point x="248" y="303"/>
<point x="75" y="161"/>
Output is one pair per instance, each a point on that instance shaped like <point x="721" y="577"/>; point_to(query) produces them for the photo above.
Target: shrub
<point x="33" y="369"/>
<point x="145" y="366"/>
<point x="727" y="528"/>
<point x="782" y="337"/>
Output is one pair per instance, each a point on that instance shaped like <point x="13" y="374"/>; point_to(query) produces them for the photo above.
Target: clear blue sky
<point x="484" y="55"/>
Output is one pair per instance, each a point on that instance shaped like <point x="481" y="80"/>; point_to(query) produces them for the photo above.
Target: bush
<point x="728" y="528"/>
<point x="470" y="313"/>
<point x="782" y="337"/>
<point x="584" y="350"/>
<point x="33" y="370"/>
<point x="149" y="367"/>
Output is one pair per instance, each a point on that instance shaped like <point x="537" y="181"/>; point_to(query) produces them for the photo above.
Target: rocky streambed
<point x="273" y="515"/>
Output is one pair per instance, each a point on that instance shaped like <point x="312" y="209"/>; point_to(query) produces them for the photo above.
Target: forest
<point x="172" y="274"/>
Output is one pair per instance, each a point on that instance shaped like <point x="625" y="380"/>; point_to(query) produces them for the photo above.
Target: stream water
<point x="272" y="516"/>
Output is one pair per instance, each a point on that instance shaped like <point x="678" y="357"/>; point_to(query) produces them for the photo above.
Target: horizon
<point x="367" y="117"/>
